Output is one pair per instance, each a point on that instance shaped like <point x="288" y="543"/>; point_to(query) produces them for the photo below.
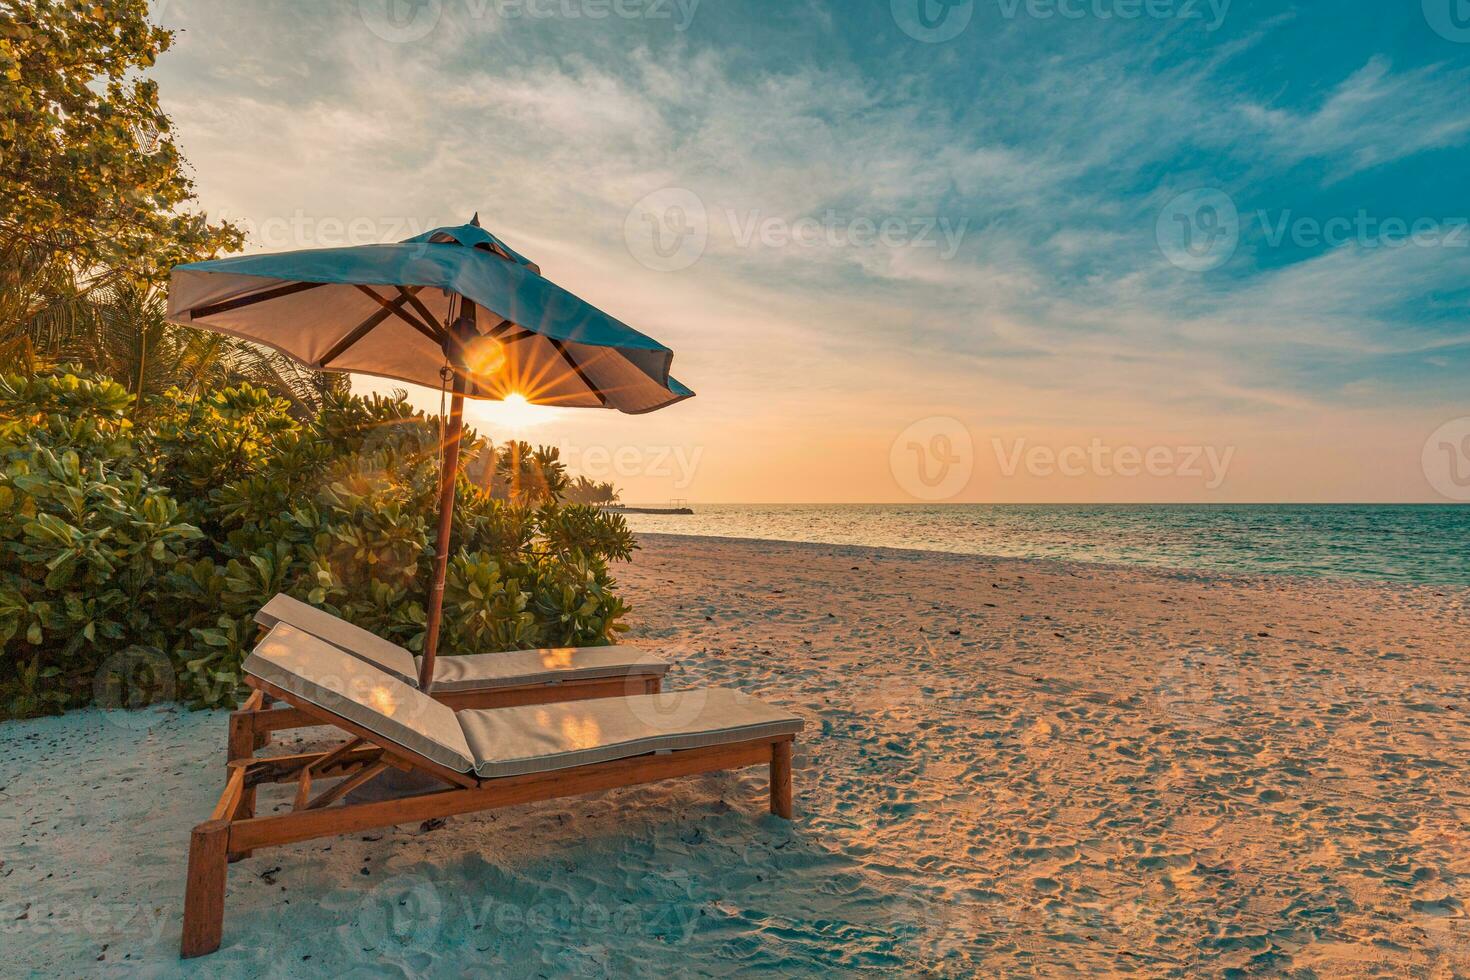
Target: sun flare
<point x="513" y="412"/>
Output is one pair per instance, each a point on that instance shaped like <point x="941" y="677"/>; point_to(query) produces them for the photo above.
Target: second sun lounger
<point x="485" y="758"/>
<point x="481" y="680"/>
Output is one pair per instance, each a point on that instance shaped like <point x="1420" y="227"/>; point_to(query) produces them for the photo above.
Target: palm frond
<point x="51" y="312"/>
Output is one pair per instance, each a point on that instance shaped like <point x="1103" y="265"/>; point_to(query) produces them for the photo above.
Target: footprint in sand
<point x="1448" y="907"/>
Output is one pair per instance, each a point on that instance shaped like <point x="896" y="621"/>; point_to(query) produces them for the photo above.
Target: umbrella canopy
<point x="455" y="303"/>
<point x="386" y="310"/>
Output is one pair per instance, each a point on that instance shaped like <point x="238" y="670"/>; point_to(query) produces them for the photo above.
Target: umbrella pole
<point x="447" y="480"/>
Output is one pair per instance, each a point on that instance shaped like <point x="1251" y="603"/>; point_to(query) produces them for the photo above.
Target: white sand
<point x="1010" y="768"/>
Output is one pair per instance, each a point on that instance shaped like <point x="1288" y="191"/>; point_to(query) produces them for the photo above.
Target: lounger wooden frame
<point x="233" y="830"/>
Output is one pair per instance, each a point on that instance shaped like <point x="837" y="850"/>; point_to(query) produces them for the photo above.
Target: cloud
<point x="1371" y="118"/>
<point x="1055" y="302"/>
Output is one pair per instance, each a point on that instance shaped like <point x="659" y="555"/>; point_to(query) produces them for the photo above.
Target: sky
<point x="912" y="250"/>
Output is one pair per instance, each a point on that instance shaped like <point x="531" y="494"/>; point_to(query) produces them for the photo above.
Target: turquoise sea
<point x="1399" y="543"/>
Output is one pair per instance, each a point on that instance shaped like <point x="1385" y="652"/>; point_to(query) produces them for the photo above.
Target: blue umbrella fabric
<point x="390" y="310"/>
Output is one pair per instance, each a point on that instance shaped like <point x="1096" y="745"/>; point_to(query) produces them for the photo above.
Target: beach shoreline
<point x="1010" y="767"/>
<point x="1062" y="565"/>
<point x="1414" y="544"/>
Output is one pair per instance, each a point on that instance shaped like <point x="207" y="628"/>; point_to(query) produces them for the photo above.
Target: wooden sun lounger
<point x="484" y="758"/>
<point x="489" y="680"/>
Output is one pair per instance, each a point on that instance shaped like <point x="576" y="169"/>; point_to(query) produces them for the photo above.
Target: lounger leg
<point x="655" y="685"/>
<point x="242" y="735"/>
<point x="264" y="738"/>
<point x="204" y="893"/>
<point x="781" y="779"/>
<point x="243" y="743"/>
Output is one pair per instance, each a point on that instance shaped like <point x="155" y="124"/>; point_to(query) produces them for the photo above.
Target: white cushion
<point x="547" y="737"/>
<point x="321" y="674"/>
<point x="487" y="671"/>
<point x="341" y="634"/>
<point x="470" y="672"/>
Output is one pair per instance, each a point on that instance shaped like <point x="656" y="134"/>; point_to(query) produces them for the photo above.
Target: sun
<point x="513" y="413"/>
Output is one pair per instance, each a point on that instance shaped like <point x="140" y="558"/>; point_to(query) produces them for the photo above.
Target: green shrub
<point x="159" y="536"/>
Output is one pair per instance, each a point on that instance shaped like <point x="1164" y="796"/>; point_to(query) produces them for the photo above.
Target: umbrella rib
<point x="353" y="336"/>
<point x="242" y="301"/>
<point x="412" y="295"/>
<point x="501" y="329"/>
<point x="561" y="349"/>
<point x="395" y="308"/>
<point x="360" y="331"/>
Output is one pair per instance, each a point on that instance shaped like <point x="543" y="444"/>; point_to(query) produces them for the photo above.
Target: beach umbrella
<point x="453" y="308"/>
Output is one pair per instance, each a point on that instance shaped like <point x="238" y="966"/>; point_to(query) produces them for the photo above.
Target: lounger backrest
<point x="341" y="634"/>
<point x="319" y="673"/>
<point x="517" y="668"/>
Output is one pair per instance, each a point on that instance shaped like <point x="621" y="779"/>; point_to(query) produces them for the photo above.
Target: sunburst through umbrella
<point x="455" y="307"/>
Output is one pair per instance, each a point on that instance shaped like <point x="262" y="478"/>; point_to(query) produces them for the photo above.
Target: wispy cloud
<point x="1375" y="116"/>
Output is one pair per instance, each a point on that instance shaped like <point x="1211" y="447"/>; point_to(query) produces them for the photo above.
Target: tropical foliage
<point x="90" y="175"/>
<point x="92" y="188"/>
<point x="93" y="210"/>
<point x="157" y="491"/>
<point x="148" y="532"/>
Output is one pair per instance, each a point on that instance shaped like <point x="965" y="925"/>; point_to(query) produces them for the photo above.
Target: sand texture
<point x="1010" y="768"/>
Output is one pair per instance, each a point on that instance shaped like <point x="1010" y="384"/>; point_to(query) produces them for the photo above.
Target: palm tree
<point x="119" y="326"/>
<point x="39" y="300"/>
<point x="529" y="476"/>
<point x="585" y="491"/>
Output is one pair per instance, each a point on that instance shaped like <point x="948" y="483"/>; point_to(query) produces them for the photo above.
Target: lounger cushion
<point x="487" y="671"/>
<point x="319" y="673"/>
<point x="341" y="634"/>
<point x="547" y="737"/>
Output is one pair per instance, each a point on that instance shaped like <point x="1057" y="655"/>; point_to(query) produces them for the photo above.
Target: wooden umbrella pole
<point x="463" y="329"/>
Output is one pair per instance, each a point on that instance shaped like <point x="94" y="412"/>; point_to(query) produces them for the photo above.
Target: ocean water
<point x="1399" y="543"/>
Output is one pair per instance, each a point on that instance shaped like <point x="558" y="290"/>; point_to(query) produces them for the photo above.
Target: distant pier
<point x="674" y="507"/>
